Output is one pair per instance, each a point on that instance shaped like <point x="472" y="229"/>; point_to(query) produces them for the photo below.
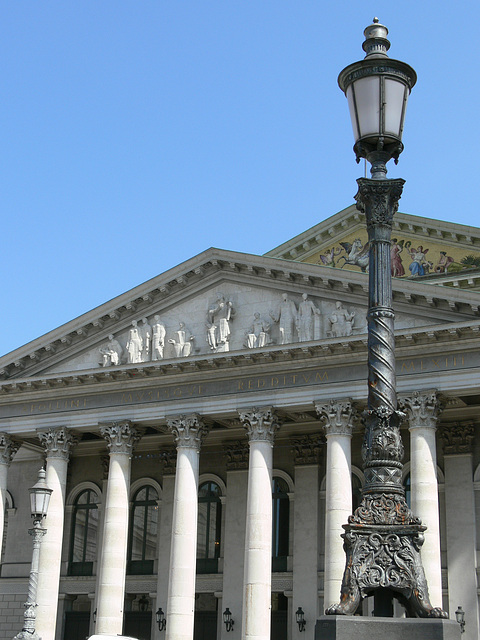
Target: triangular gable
<point x="422" y="247"/>
<point x="252" y="284"/>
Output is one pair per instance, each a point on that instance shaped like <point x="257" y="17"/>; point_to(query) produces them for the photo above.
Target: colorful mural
<point x="408" y="259"/>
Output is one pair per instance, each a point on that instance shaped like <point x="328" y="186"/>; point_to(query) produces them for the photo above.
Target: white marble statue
<point x="158" y="338"/>
<point x="286" y="317"/>
<point x="306" y="318"/>
<point x="134" y="344"/>
<point x="145" y="331"/>
<point x="183" y="341"/>
<point x="111" y="352"/>
<point x="218" y="328"/>
<point x="341" y="321"/>
<point x="257" y="335"/>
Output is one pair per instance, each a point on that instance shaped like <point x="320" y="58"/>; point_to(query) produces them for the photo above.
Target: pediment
<point x="422" y="247"/>
<point x="216" y="296"/>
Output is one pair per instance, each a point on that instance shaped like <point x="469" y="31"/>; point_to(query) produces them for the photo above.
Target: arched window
<point x="280" y="524"/>
<point x="408" y="489"/>
<point x="356" y="491"/>
<point x="209" y="527"/>
<point x="83" y="545"/>
<point x="143" y="531"/>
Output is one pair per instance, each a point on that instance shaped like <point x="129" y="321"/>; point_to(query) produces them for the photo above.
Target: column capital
<point x="58" y="442"/>
<point x="307" y="448"/>
<point x="8" y="448"/>
<point x="168" y="461"/>
<point x="378" y="199"/>
<point x="338" y="416"/>
<point x="458" y="438"/>
<point x="422" y="408"/>
<point x="261" y="423"/>
<point x="188" y="431"/>
<point x="121" y="437"/>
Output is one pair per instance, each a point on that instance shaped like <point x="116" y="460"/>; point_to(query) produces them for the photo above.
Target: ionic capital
<point x="338" y="416"/>
<point x="8" y="448"/>
<point x="261" y="423"/>
<point x="121" y="437"/>
<point x="58" y="442"/>
<point x="422" y="408"/>
<point x="189" y="431"/>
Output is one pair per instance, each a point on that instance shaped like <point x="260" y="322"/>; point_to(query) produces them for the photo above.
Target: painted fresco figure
<point x="305" y="319"/>
<point x="397" y="267"/>
<point x="443" y="263"/>
<point x="158" y="339"/>
<point x="134" y="344"/>
<point x="111" y="352"/>
<point x="341" y="321"/>
<point x="257" y="334"/>
<point x="219" y="317"/>
<point x="183" y="341"/>
<point x="286" y="317"/>
<point x="420" y="265"/>
<point x="145" y="331"/>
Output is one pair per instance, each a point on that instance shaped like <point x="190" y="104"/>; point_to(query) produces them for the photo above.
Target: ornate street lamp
<point x="39" y="499"/>
<point x="300" y="618"/>
<point x="227" y="619"/>
<point x="161" y="620"/>
<point x="460" y="618"/>
<point x="382" y="537"/>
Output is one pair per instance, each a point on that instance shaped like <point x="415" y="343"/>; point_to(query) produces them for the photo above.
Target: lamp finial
<point x="376" y="43"/>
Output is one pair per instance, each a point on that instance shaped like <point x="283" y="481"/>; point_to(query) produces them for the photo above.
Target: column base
<point x="363" y="628"/>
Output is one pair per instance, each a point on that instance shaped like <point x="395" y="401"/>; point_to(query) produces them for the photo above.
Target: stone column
<point x="307" y="451"/>
<point x="168" y="463"/>
<point x="458" y="442"/>
<point x="234" y="543"/>
<point x="8" y="449"/>
<point x="261" y="424"/>
<point x="338" y="416"/>
<point x="189" y="433"/>
<point x="57" y="442"/>
<point x="121" y="439"/>
<point x="423" y="409"/>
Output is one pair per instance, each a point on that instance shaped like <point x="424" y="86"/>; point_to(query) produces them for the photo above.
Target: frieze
<point x="458" y="438"/>
<point x="316" y="377"/>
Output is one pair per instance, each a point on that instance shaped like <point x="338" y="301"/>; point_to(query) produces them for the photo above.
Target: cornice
<point x="199" y="273"/>
<point x="328" y="351"/>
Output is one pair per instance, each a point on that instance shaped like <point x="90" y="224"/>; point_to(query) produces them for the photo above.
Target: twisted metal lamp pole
<point x="39" y="496"/>
<point x="382" y="539"/>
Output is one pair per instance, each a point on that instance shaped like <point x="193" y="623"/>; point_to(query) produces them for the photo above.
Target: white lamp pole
<point x="39" y="499"/>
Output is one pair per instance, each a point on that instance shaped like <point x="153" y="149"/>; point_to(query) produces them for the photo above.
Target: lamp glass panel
<point x="367" y="96"/>
<point x="394" y="97"/>
<point x="39" y="502"/>
<point x="353" y="115"/>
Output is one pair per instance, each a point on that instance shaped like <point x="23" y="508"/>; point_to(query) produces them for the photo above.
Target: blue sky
<point x="135" y="134"/>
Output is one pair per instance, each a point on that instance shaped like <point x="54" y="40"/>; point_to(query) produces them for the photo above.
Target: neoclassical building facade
<point x="202" y="435"/>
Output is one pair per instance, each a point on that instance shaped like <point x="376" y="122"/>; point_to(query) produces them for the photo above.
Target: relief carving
<point x="286" y="317"/>
<point x="236" y="454"/>
<point x="458" y="438"/>
<point x="257" y="335"/>
<point x="218" y="328"/>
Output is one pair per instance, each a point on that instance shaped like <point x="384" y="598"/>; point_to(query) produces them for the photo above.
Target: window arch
<point x="280" y="523"/>
<point x="83" y="545"/>
<point x="142" y="548"/>
<point x="209" y="527"/>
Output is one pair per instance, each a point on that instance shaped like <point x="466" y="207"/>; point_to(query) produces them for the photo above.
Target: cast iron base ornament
<point x="382" y="539"/>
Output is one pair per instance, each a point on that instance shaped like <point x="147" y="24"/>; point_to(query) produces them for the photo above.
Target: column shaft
<point x="8" y="448"/>
<point x="57" y="443"/>
<point x="189" y="432"/>
<point x="113" y="562"/>
<point x="261" y="425"/>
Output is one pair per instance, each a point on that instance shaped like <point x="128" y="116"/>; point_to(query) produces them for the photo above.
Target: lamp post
<point x="39" y="499"/>
<point x="382" y="537"/>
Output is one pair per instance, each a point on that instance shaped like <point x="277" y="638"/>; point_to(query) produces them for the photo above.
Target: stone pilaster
<point x="8" y="448"/>
<point x="422" y="410"/>
<point x="261" y="425"/>
<point x="189" y="432"/>
<point x="58" y="443"/>
<point x="121" y="438"/>
<point x="338" y="417"/>
<point x="461" y="526"/>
